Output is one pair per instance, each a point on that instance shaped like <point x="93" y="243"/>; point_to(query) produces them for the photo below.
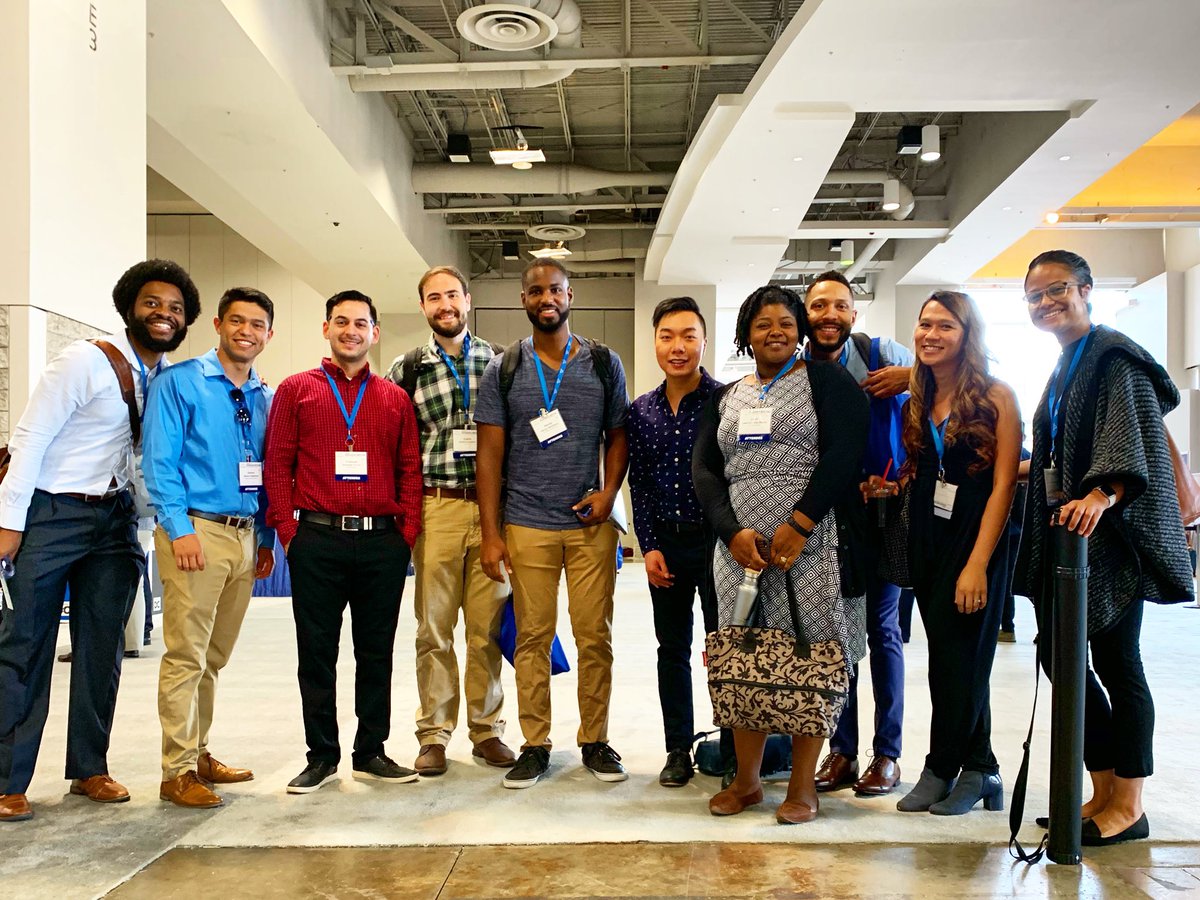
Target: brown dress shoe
<point x="881" y="777"/>
<point x="793" y="812"/>
<point x="188" y="791"/>
<point x="496" y="753"/>
<point x="431" y="760"/>
<point x="729" y="803"/>
<point x="216" y="772"/>
<point x="837" y="770"/>
<point x="15" y="808"/>
<point x="100" y="788"/>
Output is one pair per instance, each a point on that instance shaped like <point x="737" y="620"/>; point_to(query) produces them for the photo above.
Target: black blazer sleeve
<point x="843" y="419"/>
<point x="708" y="471"/>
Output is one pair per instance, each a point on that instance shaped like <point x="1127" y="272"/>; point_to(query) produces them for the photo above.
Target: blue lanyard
<point x="352" y="414"/>
<point x="843" y="359"/>
<point x="939" y="442"/>
<point x="550" y="398"/>
<point x="144" y="376"/>
<point x="1055" y="399"/>
<point x="464" y="386"/>
<point x="766" y="387"/>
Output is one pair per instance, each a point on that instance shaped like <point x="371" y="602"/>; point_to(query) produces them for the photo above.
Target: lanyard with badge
<point x="754" y="422"/>
<point x="943" y="491"/>
<point x="1052" y="474"/>
<point x="463" y="441"/>
<point x="349" y="464"/>
<point x="548" y="425"/>
<point x="143" y="377"/>
<point x="250" y="472"/>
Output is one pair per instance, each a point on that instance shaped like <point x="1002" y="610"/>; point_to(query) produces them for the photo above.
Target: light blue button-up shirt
<point x="193" y="444"/>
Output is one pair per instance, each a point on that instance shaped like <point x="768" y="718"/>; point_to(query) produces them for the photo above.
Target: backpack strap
<point x="862" y="344"/>
<point x="124" y="372"/>
<point x="874" y="361"/>
<point x="410" y="370"/>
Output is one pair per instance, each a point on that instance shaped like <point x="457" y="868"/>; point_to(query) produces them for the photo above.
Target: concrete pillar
<point x="72" y="169"/>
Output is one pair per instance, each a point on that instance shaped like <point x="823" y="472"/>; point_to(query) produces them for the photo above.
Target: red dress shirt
<point x="306" y="428"/>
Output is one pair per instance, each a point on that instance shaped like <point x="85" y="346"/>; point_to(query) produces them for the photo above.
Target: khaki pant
<point x="449" y="578"/>
<point x="589" y="556"/>
<point x="202" y="615"/>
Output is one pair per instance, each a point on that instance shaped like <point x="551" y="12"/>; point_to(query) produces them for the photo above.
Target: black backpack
<point x="414" y="367"/>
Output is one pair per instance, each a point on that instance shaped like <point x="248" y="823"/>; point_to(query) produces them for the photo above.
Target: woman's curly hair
<point x="768" y="295"/>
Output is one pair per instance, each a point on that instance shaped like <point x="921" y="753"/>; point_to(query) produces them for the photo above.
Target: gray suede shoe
<point x="928" y="791"/>
<point x="970" y="789"/>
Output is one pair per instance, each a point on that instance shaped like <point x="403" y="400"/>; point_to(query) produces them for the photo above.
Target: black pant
<point x="93" y="548"/>
<point x="689" y="559"/>
<point x="331" y="570"/>
<point x="1118" y="714"/>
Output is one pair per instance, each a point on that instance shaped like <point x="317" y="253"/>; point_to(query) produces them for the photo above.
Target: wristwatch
<point x="1109" y="493"/>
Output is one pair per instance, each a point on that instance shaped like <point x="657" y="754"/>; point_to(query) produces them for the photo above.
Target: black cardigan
<point x="843" y="420"/>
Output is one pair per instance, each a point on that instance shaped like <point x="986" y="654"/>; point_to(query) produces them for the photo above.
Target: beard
<point x="547" y="327"/>
<point x="141" y="335"/>
<point x="449" y="330"/>
<point x="843" y="335"/>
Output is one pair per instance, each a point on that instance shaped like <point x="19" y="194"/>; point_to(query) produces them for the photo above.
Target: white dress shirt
<point x="74" y="436"/>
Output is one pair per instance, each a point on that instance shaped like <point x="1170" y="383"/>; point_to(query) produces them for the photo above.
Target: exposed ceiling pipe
<point x="620" y="266"/>
<point x="524" y="226"/>
<point x="875" y="176"/>
<point x="455" y="178"/>
<point x="459" y="81"/>
<point x="865" y="257"/>
<point x="566" y="15"/>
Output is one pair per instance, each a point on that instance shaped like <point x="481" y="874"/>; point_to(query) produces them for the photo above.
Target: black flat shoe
<point x="1042" y="821"/>
<point x="1091" y="837"/>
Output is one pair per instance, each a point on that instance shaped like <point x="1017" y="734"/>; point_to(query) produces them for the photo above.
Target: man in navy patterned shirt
<point x="667" y="517"/>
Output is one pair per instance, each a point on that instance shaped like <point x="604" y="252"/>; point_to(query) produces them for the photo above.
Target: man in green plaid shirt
<point x="442" y="376"/>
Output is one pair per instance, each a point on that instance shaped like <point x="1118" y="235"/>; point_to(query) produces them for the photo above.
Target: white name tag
<point x="463" y="442"/>
<point x="549" y="428"/>
<point x="349" y="465"/>
<point x="943" y="498"/>
<point x="754" y="425"/>
<point x="250" y="477"/>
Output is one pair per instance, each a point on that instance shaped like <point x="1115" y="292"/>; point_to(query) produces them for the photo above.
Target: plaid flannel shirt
<point x="439" y="407"/>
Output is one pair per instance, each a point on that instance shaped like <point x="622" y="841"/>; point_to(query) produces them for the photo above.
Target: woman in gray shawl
<point x="1100" y="454"/>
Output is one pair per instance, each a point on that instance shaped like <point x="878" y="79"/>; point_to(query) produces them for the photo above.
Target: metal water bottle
<point x="747" y="593"/>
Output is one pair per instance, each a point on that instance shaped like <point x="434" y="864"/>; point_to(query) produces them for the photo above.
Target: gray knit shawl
<point x="1138" y="552"/>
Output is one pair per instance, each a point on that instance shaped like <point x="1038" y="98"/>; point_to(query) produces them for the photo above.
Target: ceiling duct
<point x="531" y="77"/>
<point x="552" y="231"/>
<point x="522" y="26"/>
<point x="871" y="176"/>
<point x="450" y="178"/>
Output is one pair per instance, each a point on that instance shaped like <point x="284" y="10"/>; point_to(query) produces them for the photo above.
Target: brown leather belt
<point x="451" y="493"/>
<point x="91" y="498"/>
<point x="238" y="522"/>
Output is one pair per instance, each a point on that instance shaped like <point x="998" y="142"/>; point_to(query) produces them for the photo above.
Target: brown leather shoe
<point x="729" y="803"/>
<point x="496" y="753"/>
<point x="100" y="788"/>
<point x="15" y="808"/>
<point x="793" y="812"/>
<point x="431" y="760"/>
<point x="837" y="770"/>
<point x="216" y="772"/>
<point x="881" y="777"/>
<point x="188" y="791"/>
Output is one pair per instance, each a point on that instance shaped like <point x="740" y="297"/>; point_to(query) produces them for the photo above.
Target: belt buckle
<point x="352" y="523"/>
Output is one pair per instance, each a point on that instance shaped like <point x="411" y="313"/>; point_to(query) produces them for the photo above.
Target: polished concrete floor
<point x="661" y="871"/>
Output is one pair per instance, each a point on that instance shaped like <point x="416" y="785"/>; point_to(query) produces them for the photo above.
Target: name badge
<point x="350" y="465"/>
<point x="549" y="428"/>
<point x="463" y="442"/>
<point x="1054" y="488"/>
<point x="943" y="498"/>
<point x="250" y="477"/>
<point x="754" y="425"/>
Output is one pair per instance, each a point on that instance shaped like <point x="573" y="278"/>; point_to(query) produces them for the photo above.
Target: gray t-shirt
<point x="545" y="482"/>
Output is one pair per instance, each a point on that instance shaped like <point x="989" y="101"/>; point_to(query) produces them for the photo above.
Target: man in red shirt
<point x="342" y="469"/>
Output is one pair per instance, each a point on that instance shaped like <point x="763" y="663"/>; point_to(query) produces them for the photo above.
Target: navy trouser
<point x="688" y="553"/>
<point x="93" y="548"/>
<point x="887" y="677"/>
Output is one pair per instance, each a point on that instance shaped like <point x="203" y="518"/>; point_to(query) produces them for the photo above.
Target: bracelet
<point x="798" y="528"/>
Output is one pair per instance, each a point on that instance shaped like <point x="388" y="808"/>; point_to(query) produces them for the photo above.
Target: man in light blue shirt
<point x="206" y="421"/>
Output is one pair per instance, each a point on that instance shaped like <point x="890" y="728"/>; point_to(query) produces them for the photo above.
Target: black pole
<point x="1068" y="667"/>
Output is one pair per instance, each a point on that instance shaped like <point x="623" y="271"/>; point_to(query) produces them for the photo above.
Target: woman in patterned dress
<point x="787" y="506"/>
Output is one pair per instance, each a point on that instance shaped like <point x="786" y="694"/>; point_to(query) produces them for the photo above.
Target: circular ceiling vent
<point x="556" y="232"/>
<point x="506" y="26"/>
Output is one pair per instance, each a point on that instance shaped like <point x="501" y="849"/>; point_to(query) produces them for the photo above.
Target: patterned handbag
<point x="893" y="544"/>
<point x="763" y="679"/>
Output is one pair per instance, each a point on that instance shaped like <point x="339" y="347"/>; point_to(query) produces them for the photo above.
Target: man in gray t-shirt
<point x="564" y="408"/>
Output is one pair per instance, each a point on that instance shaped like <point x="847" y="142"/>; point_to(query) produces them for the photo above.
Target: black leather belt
<point x="349" y="523"/>
<point x="680" y="527"/>
<point x="238" y="522"/>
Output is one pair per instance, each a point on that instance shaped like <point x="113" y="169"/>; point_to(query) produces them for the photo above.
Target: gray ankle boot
<point x="970" y="789"/>
<point x="928" y="791"/>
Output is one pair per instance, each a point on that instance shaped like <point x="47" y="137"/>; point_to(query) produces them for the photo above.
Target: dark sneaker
<point x="604" y="762"/>
<point x="531" y="765"/>
<point x="315" y="776"/>
<point x="381" y="768"/>
<point x="678" y="771"/>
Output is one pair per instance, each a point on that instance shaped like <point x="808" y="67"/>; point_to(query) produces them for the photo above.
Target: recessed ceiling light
<point x="1051" y="218"/>
<point x="522" y="164"/>
<point x="774" y="209"/>
<point x="1006" y="208"/>
<point x="751" y="265"/>
<point x="797" y="159"/>
<point x="1065" y="158"/>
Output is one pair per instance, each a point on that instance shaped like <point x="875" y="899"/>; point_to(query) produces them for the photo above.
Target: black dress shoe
<point x="678" y="771"/>
<point x="1091" y="837"/>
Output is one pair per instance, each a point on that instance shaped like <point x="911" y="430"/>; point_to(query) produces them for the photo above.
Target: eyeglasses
<point x="1056" y="291"/>
<point x="241" y="412"/>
